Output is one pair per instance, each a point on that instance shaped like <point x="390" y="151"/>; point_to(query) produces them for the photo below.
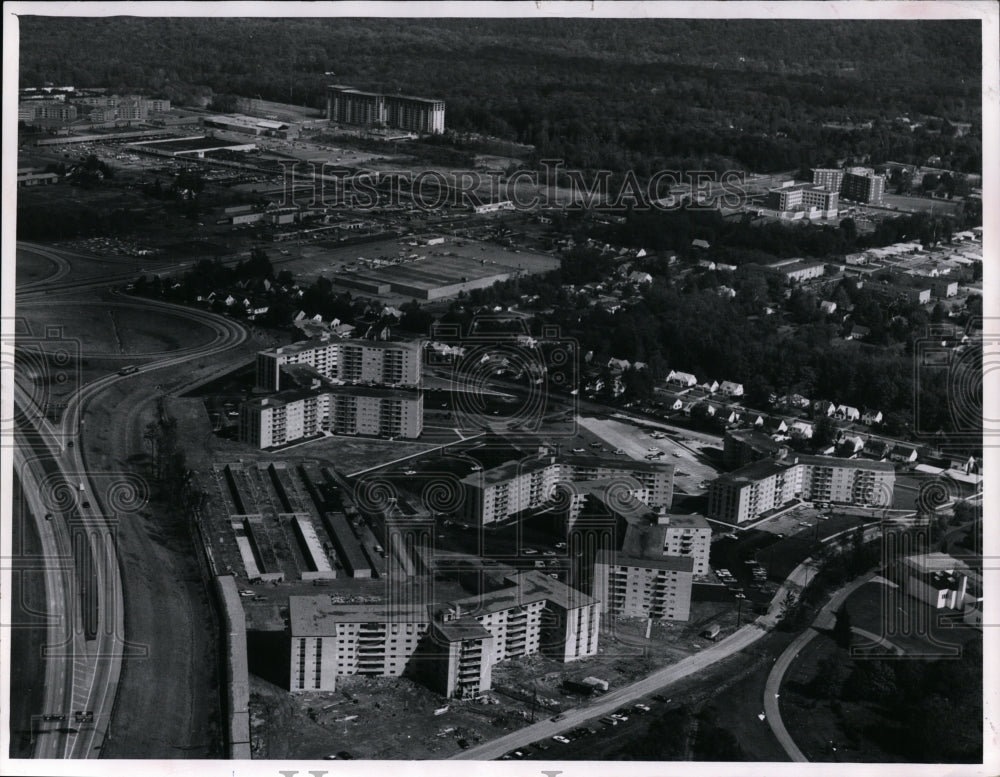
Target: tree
<point x="824" y="432"/>
<point x="842" y="627"/>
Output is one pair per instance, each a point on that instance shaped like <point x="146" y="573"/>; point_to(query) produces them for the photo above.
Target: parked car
<point x="561" y="739"/>
<point x="607" y="720"/>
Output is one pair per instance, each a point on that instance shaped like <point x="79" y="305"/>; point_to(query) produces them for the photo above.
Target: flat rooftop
<point x="318" y="616"/>
<point x="668" y="563"/>
<point x="319" y="342"/>
<point x="191" y="144"/>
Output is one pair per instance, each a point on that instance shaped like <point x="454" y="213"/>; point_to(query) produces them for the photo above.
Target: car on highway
<point x="676" y="455"/>
<point x="557" y="718"/>
<point x="561" y="739"/>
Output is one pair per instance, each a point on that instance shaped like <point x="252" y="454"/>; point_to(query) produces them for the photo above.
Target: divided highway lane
<point x="89" y="680"/>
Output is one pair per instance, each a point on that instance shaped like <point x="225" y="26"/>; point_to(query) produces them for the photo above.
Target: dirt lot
<point x="372" y="718"/>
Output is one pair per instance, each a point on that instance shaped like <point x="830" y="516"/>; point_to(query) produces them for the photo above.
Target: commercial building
<point x="798" y="270"/>
<point x="296" y="414"/>
<point x="382" y="362"/>
<point x="347" y="105"/>
<point x="498" y="494"/>
<point x="29" y="176"/>
<point x="861" y="184"/>
<point x="453" y="645"/>
<point x="636" y="587"/>
<point x="770" y="484"/>
<point x="936" y="579"/>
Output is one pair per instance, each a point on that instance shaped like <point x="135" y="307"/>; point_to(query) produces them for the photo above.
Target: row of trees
<point x="624" y="94"/>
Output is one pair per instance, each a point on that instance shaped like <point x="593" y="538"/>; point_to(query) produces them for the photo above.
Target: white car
<point x="561" y="739"/>
<point x="247" y="592"/>
<point x="579" y="450"/>
<point x="529" y="552"/>
<point x="653" y="450"/>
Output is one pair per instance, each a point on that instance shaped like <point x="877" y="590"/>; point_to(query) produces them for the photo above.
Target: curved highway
<point x="84" y="677"/>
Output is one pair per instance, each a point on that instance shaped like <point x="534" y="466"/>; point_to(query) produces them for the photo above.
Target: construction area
<point x="292" y="524"/>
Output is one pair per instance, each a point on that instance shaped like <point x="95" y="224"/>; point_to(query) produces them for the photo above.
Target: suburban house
<point x="731" y="389"/>
<point x="685" y="379"/>
<point x="876" y="449"/>
<point x="847" y="413"/>
<point x="871" y="417"/>
<point x="903" y="453"/>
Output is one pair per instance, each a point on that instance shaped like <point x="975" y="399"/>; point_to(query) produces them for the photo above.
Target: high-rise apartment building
<point x="347" y="105"/>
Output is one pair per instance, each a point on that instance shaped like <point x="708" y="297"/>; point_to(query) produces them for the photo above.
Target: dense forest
<point x="625" y="93"/>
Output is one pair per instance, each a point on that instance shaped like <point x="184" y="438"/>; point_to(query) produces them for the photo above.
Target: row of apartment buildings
<point x="98" y="109"/>
<point x="498" y="494"/>
<point x="452" y="645"/>
<point x="382" y="362"/>
<point x="349" y="387"/>
<point x="287" y="416"/>
<point x="764" y="486"/>
<point x="347" y="105"/>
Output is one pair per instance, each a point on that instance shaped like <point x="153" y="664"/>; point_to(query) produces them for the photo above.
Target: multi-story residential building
<point x="347" y="105"/>
<point x="287" y="416"/>
<point x="331" y="640"/>
<point x="379" y="362"/>
<point x="46" y="112"/>
<point x="861" y="184"/>
<point x="830" y="179"/>
<point x="802" y="197"/>
<point x="500" y="493"/>
<point x="643" y="587"/>
<point x="764" y="486"/>
<point x="456" y="643"/>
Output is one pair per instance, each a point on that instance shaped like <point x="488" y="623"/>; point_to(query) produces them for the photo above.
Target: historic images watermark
<point x="553" y="185"/>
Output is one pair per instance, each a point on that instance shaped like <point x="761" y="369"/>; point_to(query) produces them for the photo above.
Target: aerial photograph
<point x="497" y="384"/>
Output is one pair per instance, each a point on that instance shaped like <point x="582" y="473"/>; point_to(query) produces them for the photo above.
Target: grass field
<point x="106" y="328"/>
<point x="32" y="267"/>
